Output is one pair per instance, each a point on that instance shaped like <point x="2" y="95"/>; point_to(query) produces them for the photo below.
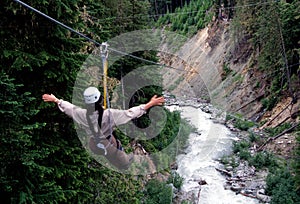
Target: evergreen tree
<point x="47" y="161"/>
<point x="189" y="18"/>
<point x="42" y="158"/>
<point x="272" y="34"/>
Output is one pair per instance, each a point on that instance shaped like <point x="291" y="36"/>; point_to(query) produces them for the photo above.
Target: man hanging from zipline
<point x="98" y="123"/>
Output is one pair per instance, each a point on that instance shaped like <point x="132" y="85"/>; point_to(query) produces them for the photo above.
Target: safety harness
<point x="99" y="137"/>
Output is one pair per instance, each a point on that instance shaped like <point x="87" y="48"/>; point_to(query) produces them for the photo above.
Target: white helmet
<point x="91" y="95"/>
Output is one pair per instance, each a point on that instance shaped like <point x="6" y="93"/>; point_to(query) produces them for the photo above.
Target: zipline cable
<point x="56" y="21"/>
<point x="114" y="50"/>
<point x="100" y="44"/>
<point x="94" y="41"/>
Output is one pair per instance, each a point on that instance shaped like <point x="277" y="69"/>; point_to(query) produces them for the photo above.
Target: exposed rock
<point x="202" y="182"/>
<point x="237" y="187"/>
<point x="246" y="180"/>
<point x="174" y="166"/>
<point x="260" y="194"/>
<point x="281" y="113"/>
<point x="283" y="146"/>
<point x="227" y="173"/>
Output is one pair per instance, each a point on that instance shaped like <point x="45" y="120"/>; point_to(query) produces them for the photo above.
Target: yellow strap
<point x="104" y="54"/>
<point x="105" y="83"/>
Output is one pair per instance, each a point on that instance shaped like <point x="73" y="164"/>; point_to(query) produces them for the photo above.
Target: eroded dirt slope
<point x="212" y="67"/>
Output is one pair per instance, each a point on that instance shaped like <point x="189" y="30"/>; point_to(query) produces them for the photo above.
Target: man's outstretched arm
<point x="123" y="116"/>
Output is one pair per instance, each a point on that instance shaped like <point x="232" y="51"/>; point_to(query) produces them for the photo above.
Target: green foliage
<point x="46" y="163"/>
<point x="188" y="19"/>
<point x="157" y="192"/>
<point x="171" y="140"/>
<point x="42" y="159"/>
<point x="238" y="77"/>
<point x="185" y="202"/>
<point x="279" y="129"/>
<point x="272" y="32"/>
<point x="281" y="186"/>
<point x="224" y="159"/>
<point x="243" y="124"/>
<point x="244" y="154"/>
<point x="263" y="159"/>
<point x="283" y="182"/>
<point x="176" y="180"/>
<point x="117" y="188"/>
<point x="270" y="102"/>
<point x="160" y="8"/>
<point x="16" y="134"/>
<point x="296" y="163"/>
<point x="253" y="137"/>
<point x="239" y="122"/>
<point x="242" y="148"/>
<point x="229" y="160"/>
<point x="226" y="71"/>
<point x="259" y="160"/>
<point x="27" y="174"/>
<point x="122" y="16"/>
<point x="174" y="129"/>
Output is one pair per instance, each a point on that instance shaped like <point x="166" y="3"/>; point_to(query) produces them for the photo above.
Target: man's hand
<point x="49" y="98"/>
<point x="155" y="101"/>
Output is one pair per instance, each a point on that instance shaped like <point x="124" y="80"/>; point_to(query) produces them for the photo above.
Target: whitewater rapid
<point x="200" y="160"/>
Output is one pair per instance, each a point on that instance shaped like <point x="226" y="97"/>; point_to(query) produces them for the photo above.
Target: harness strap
<point x="98" y="138"/>
<point x="97" y="135"/>
<point x="119" y="145"/>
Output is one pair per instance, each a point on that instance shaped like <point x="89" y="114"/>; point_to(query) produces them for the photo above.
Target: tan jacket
<point x="111" y="117"/>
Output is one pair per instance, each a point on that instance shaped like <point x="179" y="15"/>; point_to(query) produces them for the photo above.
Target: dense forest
<point x="43" y="159"/>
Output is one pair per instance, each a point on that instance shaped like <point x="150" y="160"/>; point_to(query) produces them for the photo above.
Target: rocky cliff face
<point x="210" y="66"/>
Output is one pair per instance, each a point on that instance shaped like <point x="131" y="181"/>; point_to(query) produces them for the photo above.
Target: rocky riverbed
<point x="246" y="180"/>
<point x="240" y="177"/>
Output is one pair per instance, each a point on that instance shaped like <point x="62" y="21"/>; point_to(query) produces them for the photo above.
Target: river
<point x="200" y="160"/>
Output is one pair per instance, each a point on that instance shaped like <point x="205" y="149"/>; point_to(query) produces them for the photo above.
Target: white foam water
<point x="200" y="160"/>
